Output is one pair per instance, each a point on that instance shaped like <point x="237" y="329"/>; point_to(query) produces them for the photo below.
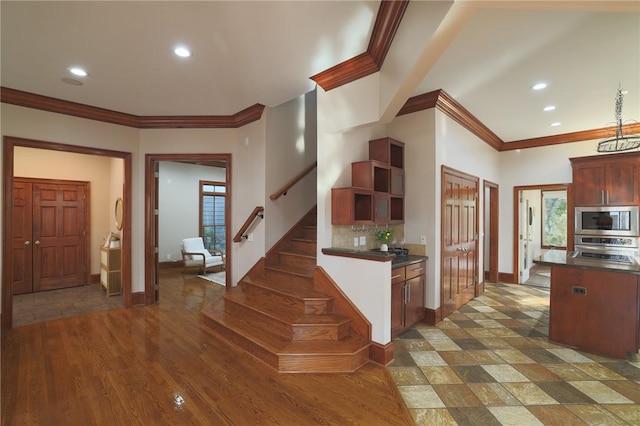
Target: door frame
<point x="9" y="144"/>
<point x="516" y="219"/>
<point x="494" y="228"/>
<point x="151" y="218"/>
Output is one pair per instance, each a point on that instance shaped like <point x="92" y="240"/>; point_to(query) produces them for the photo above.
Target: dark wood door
<point x="459" y="240"/>
<point x="21" y="239"/>
<point x="52" y="234"/>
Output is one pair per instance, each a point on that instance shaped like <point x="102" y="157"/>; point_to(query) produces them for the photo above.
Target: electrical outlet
<point x="355" y="241"/>
<point x="168" y="256"/>
<point x="423" y="240"/>
<point x="363" y="241"/>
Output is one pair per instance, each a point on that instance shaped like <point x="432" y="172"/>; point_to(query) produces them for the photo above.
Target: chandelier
<point x="619" y="142"/>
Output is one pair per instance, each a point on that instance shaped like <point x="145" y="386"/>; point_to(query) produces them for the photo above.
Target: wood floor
<point x="159" y="365"/>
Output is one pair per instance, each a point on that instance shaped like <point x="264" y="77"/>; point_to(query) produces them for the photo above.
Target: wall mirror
<point x="119" y="213"/>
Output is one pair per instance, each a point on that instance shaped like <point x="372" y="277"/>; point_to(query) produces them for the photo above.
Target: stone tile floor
<point x="66" y="302"/>
<point x="491" y="363"/>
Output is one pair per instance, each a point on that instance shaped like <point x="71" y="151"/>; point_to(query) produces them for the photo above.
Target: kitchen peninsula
<point x="594" y="306"/>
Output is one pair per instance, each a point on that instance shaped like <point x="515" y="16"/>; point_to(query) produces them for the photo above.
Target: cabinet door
<point x="397" y="309"/>
<point x="588" y="184"/>
<point x="414" y="308"/>
<point x="621" y="187"/>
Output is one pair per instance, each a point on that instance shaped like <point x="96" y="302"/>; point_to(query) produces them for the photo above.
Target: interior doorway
<point x="533" y="225"/>
<point x="153" y="213"/>
<point x="10" y="144"/>
<point x="491" y="231"/>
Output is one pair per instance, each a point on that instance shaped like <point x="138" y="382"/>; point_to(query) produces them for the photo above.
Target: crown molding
<point x="445" y="103"/>
<point x="45" y="103"/>
<point x="384" y="30"/>
<point x="581" y="136"/>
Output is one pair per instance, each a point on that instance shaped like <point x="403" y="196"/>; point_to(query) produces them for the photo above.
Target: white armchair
<point x="194" y="255"/>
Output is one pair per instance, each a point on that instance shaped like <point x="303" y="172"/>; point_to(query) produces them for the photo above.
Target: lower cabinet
<point x="595" y="310"/>
<point x="407" y="296"/>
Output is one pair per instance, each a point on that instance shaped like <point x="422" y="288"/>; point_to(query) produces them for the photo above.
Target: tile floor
<point x="491" y="363"/>
<point x="66" y="302"/>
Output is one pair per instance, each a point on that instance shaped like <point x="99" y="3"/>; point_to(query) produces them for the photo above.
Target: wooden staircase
<point x="278" y="313"/>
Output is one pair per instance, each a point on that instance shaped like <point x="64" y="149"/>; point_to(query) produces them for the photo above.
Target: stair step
<point x="279" y="274"/>
<point x="303" y="246"/>
<point x="308" y="232"/>
<point x="288" y="293"/>
<point x="289" y="323"/>
<point x="298" y="261"/>
<point x="345" y="355"/>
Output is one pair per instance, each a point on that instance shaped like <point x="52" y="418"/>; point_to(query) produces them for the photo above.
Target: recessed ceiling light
<point x="539" y="86"/>
<point x="80" y="72"/>
<point x="549" y="108"/>
<point x="556" y="124"/>
<point x="182" y="51"/>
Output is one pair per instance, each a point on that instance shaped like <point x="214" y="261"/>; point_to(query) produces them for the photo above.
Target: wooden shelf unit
<point x="110" y="270"/>
<point x="376" y="194"/>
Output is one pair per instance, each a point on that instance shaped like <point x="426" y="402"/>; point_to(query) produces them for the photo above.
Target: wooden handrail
<point x="255" y="213"/>
<point x="293" y="181"/>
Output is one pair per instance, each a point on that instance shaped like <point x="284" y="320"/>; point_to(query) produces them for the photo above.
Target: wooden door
<point x="52" y="233"/>
<point x="459" y="240"/>
<point x="21" y="239"/>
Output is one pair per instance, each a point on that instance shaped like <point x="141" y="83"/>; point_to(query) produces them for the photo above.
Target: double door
<point x="49" y="235"/>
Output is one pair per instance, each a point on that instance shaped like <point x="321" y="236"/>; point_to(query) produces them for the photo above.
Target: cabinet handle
<point x="396" y="276"/>
<point x="26" y="243"/>
<point x="37" y="242"/>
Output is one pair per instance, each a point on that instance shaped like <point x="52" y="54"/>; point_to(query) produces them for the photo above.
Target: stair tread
<point x="283" y="287"/>
<point x="298" y="254"/>
<point x="287" y="314"/>
<point x="283" y="346"/>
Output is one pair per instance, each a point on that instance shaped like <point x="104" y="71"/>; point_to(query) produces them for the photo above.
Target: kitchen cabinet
<point x="407" y="296"/>
<point x="376" y="194"/>
<point x="606" y="180"/>
<point x="110" y="270"/>
<point x="594" y="310"/>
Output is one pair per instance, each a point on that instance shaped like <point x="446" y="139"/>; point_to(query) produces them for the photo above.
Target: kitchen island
<point x="594" y="306"/>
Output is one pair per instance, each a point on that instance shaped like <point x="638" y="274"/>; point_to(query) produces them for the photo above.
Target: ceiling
<point x="264" y="52"/>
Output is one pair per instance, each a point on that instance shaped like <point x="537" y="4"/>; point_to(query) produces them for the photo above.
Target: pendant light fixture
<point x="619" y="142"/>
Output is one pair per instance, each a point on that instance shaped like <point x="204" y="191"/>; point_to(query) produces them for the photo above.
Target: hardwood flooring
<point x="159" y="365"/>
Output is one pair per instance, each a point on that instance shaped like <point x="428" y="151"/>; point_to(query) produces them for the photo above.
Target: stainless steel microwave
<point x="614" y="220"/>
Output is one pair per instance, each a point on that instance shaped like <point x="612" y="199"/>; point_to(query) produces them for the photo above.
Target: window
<point x="212" y="215"/>
<point x="554" y="219"/>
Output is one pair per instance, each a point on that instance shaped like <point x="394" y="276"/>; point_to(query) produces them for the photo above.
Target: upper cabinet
<point x="376" y="194"/>
<point x="606" y="180"/>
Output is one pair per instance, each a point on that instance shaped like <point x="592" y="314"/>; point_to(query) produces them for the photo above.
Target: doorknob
<point x="37" y="242"/>
<point x="26" y="243"/>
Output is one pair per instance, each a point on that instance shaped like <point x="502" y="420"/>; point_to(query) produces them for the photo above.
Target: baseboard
<point x="138" y="298"/>
<point x="432" y="316"/>
<point x="507" y="278"/>
<point x="381" y="354"/>
<point x="94" y="278"/>
<point x="170" y="265"/>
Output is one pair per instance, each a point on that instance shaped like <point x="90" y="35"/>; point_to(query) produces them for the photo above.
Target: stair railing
<point x="257" y="212"/>
<point x="292" y="182"/>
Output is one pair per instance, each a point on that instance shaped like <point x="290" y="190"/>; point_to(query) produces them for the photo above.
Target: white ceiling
<point x="265" y="51"/>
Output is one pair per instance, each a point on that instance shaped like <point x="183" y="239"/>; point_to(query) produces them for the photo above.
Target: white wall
<point x="290" y="149"/>
<point x="179" y="204"/>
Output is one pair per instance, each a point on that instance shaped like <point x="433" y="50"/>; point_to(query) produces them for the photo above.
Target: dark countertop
<point x="564" y="258"/>
<point x="375" y="255"/>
